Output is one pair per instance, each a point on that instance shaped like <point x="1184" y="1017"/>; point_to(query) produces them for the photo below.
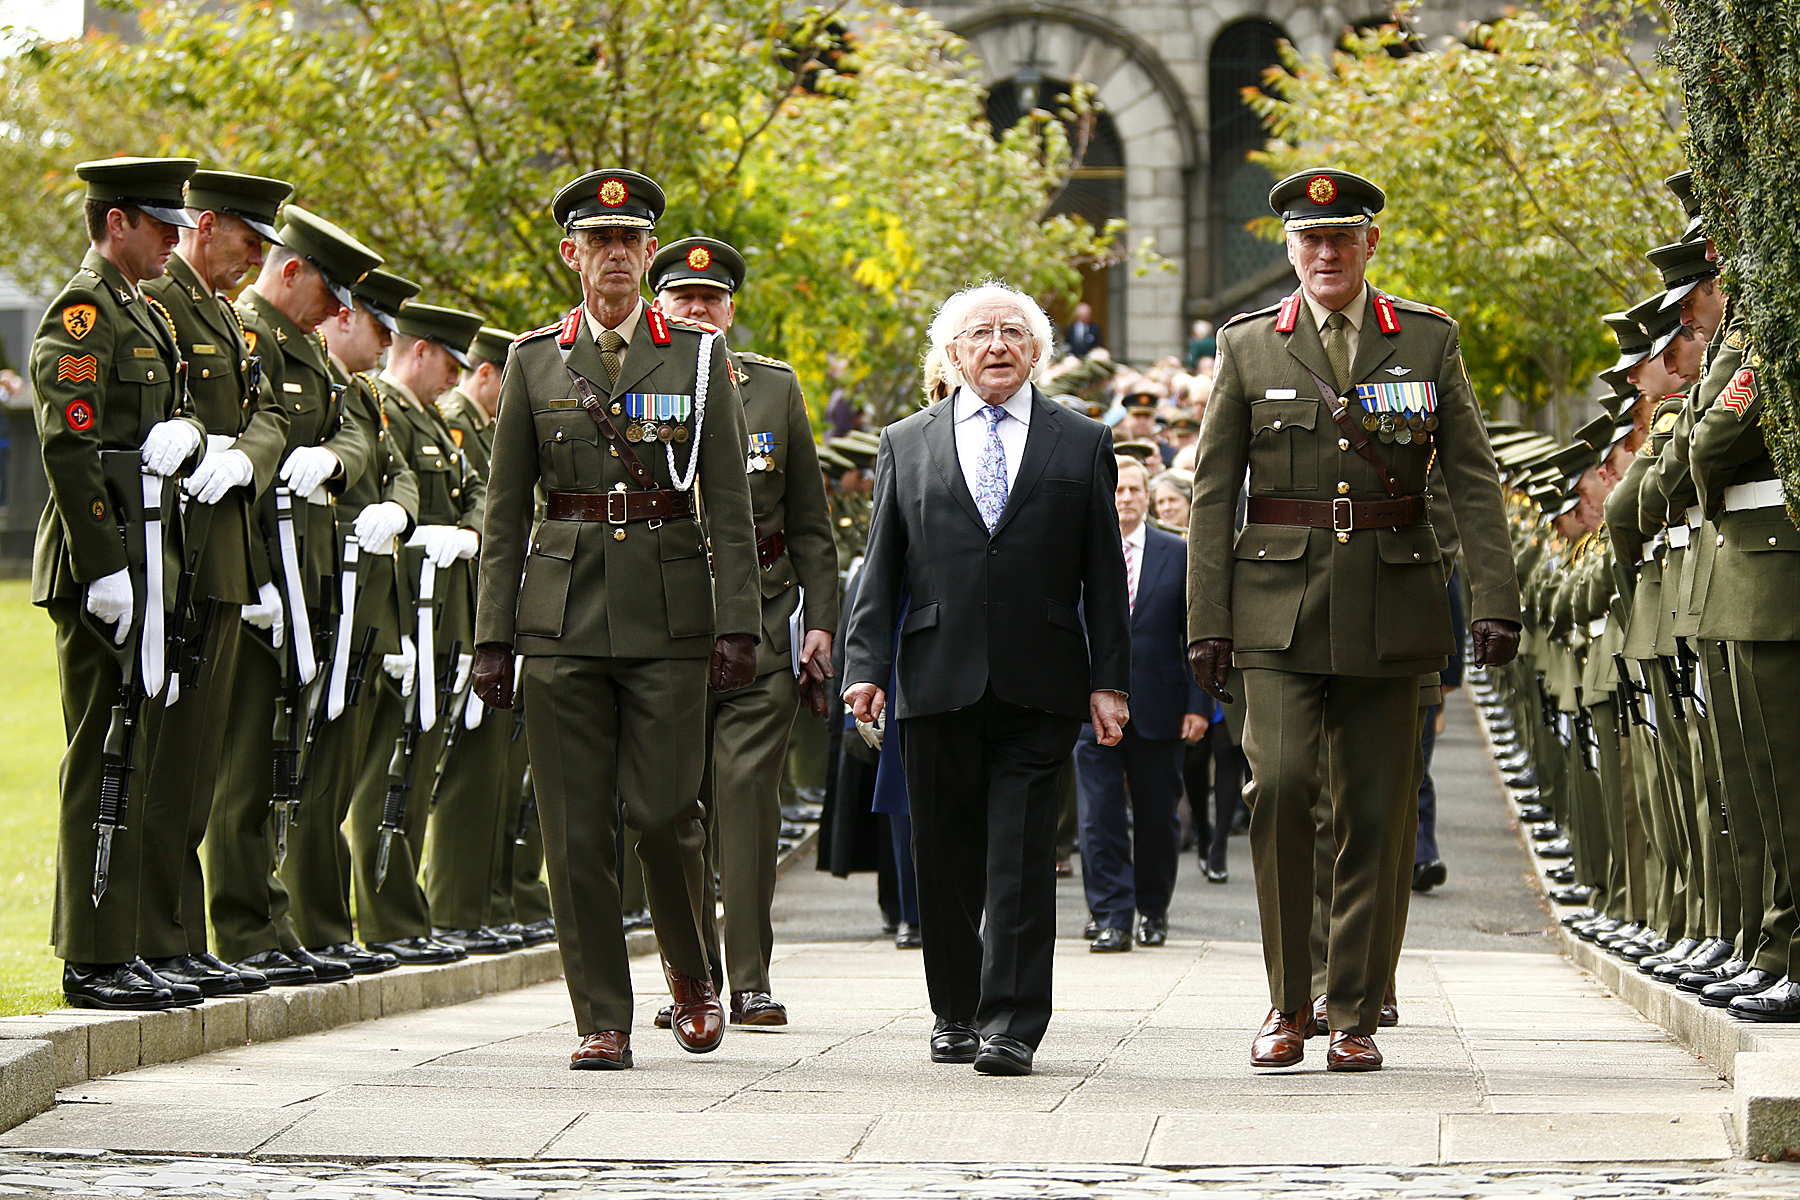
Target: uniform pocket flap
<point x="1280" y="414"/>
<point x="1411" y="544"/>
<point x="435" y="463"/>
<point x="140" y="370"/>
<point x="565" y="425"/>
<point x="679" y="539"/>
<point x="922" y="617"/>
<point x="1278" y="543"/>
<point x="556" y="539"/>
<point x="1062" y="614"/>
<point x="1764" y="533"/>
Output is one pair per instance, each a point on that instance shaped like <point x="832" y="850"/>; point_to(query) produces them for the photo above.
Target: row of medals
<point x="1398" y="429"/>
<point x="650" y="431"/>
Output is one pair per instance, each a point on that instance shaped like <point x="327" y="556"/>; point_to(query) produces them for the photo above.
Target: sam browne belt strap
<point x="1341" y="515"/>
<point x="618" y="507"/>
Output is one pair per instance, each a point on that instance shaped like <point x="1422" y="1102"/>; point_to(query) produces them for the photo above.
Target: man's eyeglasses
<point x="981" y="335"/>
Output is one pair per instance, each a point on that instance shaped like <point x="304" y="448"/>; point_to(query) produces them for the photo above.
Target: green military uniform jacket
<point x="103" y="371"/>
<point x="585" y="590"/>
<point x="471" y="427"/>
<point x="220" y="388"/>
<point x="382" y="602"/>
<point x="1294" y="598"/>
<point x="787" y="494"/>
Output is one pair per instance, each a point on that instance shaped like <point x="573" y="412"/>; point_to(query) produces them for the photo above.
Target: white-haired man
<point x="994" y="551"/>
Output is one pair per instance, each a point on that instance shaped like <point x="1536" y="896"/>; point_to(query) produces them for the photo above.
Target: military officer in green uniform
<point x="104" y="379"/>
<point x="283" y="670"/>
<point x="246" y="434"/>
<point x="1332" y="598"/>
<point x="626" y="417"/>
<point x="698" y="278"/>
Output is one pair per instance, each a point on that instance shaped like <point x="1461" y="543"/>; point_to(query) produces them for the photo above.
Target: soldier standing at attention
<point x="104" y="378"/>
<point x="748" y="729"/>
<point x="621" y="625"/>
<point x="1332" y="599"/>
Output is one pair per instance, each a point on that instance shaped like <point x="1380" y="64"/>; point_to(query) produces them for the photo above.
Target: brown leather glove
<point x="492" y="674"/>
<point x="1209" y="659"/>
<point x="733" y="663"/>
<point x="1496" y="641"/>
<point x="812" y="694"/>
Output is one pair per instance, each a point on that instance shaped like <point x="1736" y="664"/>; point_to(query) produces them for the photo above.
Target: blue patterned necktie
<point x="990" y="474"/>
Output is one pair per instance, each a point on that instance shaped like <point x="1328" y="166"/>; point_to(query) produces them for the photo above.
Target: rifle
<point x="298" y="669"/>
<point x="1673" y="679"/>
<point x="192" y="621"/>
<point x="461" y="702"/>
<point x="1631" y="711"/>
<point x="358" y="666"/>
<point x="1587" y="741"/>
<point x="317" y="707"/>
<point x="400" y="766"/>
<point x="1687" y="662"/>
<point x="527" y="805"/>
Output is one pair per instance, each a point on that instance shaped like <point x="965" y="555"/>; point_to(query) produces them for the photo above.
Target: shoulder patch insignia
<point x="80" y="415"/>
<point x="1734" y="337"/>
<point x="1741" y="393"/>
<point x="456" y="436"/>
<point x="1290" y="314"/>
<point x="1665" y="423"/>
<point x="99" y="510"/>
<point x="659" y="326"/>
<point x="78" y="319"/>
<point x="77" y="368"/>
<point x="250" y="340"/>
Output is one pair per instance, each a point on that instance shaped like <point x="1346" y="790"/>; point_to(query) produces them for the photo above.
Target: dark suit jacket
<point x="1083" y="337"/>
<point x="1003" y="611"/>
<point x="1162" y="688"/>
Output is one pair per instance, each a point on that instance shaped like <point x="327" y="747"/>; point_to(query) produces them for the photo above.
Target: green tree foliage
<point x="1739" y="65"/>
<point x="1523" y="170"/>
<point x="855" y="171"/>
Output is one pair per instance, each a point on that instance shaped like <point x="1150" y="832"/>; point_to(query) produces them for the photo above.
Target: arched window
<point x="1239" y="189"/>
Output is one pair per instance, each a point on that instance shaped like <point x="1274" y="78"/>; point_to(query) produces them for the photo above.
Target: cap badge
<point x="1321" y="189"/>
<point x="612" y="193"/>
<point x="699" y="258"/>
<point x="78" y="319"/>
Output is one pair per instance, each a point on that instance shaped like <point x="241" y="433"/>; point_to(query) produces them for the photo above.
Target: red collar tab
<point x="1290" y="314"/>
<point x="570" y="327"/>
<point x="659" y="327"/>
<point x="1385" y="316"/>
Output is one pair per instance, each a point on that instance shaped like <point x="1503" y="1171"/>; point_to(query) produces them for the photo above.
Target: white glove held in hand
<point x="168" y="445"/>
<point x="266" y="614"/>
<point x="402" y="666"/>
<point x="307" y="467"/>
<point x="377" y="525"/>
<point x="109" y="598"/>
<point x="218" y="473"/>
<point x="468" y="543"/>
<point x="444" y="544"/>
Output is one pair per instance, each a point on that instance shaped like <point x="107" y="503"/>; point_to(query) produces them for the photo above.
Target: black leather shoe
<point x="1574" y="893"/>
<point x="1572" y="919"/>
<point x="475" y="941"/>
<point x="1612" y="939"/>
<point x="246" y="979"/>
<point x="1752" y="981"/>
<point x="1649" y="945"/>
<point x="1112" y="940"/>
<point x="516" y="931"/>
<point x="908" y="937"/>
<point x="360" y="961"/>
<point x="325" y="970"/>
<point x="1562" y="874"/>
<point x="1002" y="1055"/>
<point x="953" y="1042"/>
<point x="184" y="993"/>
<point x="1091" y="930"/>
<point x="1780" y="1002"/>
<point x="1556" y="851"/>
<point x="185" y="968"/>
<point x="1427" y="875"/>
<point x="415" y="951"/>
<point x="1152" y="931"/>
<point x="1593" y="931"/>
<point x="1219" y="876"/>
<point x="115" y="986"/>
<point x="277" y="968"/>
<point x="1674" y="954"/>
<point x="539" y="932"/>
<point x="1694" y="980"/>
<point x="1548" y="832"/>
<point x="1535" y="814"/>
<point x="1704" y="957"/>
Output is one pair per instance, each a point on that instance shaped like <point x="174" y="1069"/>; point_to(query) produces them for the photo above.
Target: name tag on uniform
<point x="203" y="348"/>
<point x="144" y="352"/>
<point x="1280" y="394"/>
<point x="565" y="402"/>
<point x="430" y="449"/>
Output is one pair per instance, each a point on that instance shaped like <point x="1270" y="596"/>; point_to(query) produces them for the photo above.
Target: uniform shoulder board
<point x="1258" y="312"/>
<point x="690" y="323"/>
<point x="1290" y="314"/>
<point x="1401" y="302"/>
<point x="534" y="333"/>
<point x="766" y="361"/>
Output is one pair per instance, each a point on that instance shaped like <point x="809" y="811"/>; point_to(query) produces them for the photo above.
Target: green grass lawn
<point x="31" y="733"/>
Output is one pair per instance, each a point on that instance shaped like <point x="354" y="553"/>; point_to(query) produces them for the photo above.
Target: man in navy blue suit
<point x="1128" y="861"/>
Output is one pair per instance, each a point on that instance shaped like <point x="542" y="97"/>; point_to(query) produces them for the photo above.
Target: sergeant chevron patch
<point x="77" y="368"/>
<point x="1741" y="393"/>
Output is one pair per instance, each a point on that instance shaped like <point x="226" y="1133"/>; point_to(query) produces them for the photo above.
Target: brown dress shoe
<point x="697" y="1019"/>
<point x="665" y="1016"/>
<point x="1279" y="1042"/>
<point x="1352" y="1052"/>
<point x="1390" y="1009"/>
<point x="1321" y="1020"/>
<point x="757" y="1008"/>
<point x="608" y="1050"/>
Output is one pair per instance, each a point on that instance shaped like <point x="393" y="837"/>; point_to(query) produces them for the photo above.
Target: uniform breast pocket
<point x="435" y="478"/>
<point x="1283" y="457"/>
<point x="687" y="580"/>
<point x="1268" y="582"/>
<point x="153" y="381"/>
<point x="1412" y="603"/>
<point x="569" y="449"/>
<point x="544" y="595"/>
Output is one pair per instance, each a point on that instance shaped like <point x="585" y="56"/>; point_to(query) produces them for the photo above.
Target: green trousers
<point x="1765" y="680"/>
<point x="1744" y="836"/>
<point x="469" y="821"/>
<point x="1675" y="829"/>
<point x="395" y="908"/>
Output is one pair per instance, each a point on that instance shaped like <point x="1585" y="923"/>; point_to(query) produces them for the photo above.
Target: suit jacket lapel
<point x="1040" y="442"/>
<point x="584" y="359"/>
<point x="1375" y="347"/>
<point x="940" y="440"/>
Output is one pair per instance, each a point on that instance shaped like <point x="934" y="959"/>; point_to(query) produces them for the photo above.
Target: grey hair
<point x="951" y="313"/>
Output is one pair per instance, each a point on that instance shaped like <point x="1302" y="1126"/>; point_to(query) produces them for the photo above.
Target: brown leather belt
<point x="770" y="548"/>
<point x="1340" y="516"/>
<point x="616" y="508"/>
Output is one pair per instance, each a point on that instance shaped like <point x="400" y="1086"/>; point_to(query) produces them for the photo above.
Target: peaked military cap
<point x="1682" y="184"/>
<point x="156" y="186"/>
<point x="1623" y="426"/>
<point x="698" y="260"/>
<point x="252" y="199"/>
<point x="855" y="449"/>
<point x="609" y="197"/>
<point x="1325" y="197"/>
<point x="834" y="461"/>
<point x="1658" y="323"/>
<point x="1683" y="265"/>
<point x="1634" y="343"/>
<point x="491" y="345"/>
<point x="340" y="258"/>
<point x="383" y="293"/>
<point x="1619" y="380"/>
<point x="1597" y="433"/>
<point x="451" y="328"/>
<point x="1141" y="450"/>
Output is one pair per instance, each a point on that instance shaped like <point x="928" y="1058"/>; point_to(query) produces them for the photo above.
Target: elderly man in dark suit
<point x="1130" y="846"/>
<point x="994" y="516"/>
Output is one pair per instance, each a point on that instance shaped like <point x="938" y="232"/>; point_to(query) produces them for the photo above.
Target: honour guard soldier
<point x="104" y="373"/>
<point x="1332" y="599"/>
<point x="246" y="434"/>
<point x="284" y="670"/>
<point x="621" y="625"/>
<point x="748" y="729"/>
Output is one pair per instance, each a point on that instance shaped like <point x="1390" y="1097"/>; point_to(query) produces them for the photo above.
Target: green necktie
<point x="1337" y="349"/>
<point x="610" y="342"/>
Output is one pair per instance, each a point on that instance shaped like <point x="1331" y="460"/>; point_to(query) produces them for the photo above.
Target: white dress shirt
<point x="1134" y="561"/>
<point x="972" y="433"/>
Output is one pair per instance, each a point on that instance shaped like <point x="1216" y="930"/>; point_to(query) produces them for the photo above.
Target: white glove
<point x="468" y="543"/>
<point x="218" y="473"/>
<point x="442" y="543"/>
<point x="266" y="614"/>
<point x="168" y="445"/>
<point x="402" y="666"/>
<point x="307" y="467"/>
<point x="873" y="731"/>
<point x="377" y="525"/>
<point x="109" y="598"/>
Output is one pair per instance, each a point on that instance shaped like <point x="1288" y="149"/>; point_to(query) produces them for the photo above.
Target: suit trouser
<point x="1763" y="676"/>
<point x="1369" y="726"/>
<point x="81" y="931"/>
<point x="179" y="779"/>
<point x="468" y="821"/>
<point x="1128" y="858"/>
<point x="984" y="784"/>
<point x="396" y="908"/>
<point x="248" y="904"/>
<point x="1746" y="840"/>
<point x="318" y="867"/>
<point x="746" y="751"/>
<point x="605" y="731"/>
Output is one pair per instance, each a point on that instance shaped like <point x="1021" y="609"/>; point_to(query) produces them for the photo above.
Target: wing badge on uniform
<point x="78" y="319"/>
<point x="77" y="368"/>
<point x="1399" y="370"/>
